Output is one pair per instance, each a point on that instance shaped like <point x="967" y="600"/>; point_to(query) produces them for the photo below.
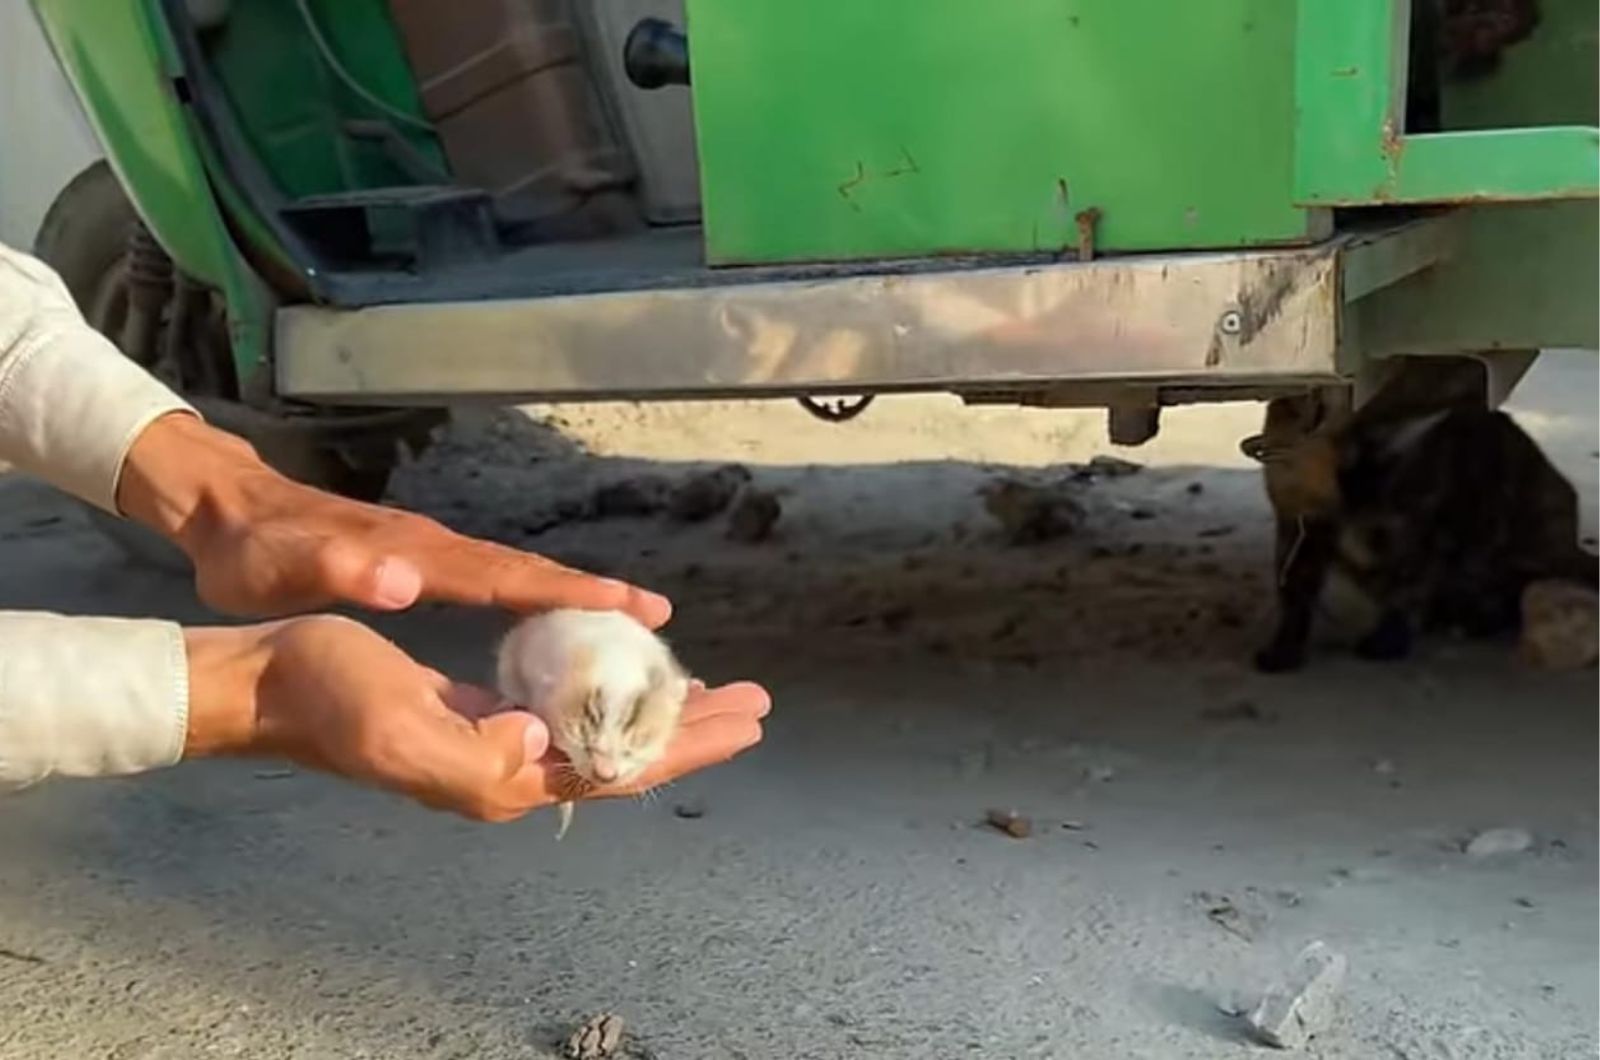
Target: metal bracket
<point x="836" y="410"/>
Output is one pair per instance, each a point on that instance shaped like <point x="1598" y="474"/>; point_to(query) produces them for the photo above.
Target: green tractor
<point x="327" y="221"/>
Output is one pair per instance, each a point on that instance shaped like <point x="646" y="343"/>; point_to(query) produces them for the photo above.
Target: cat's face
<point x="1299" y="453"/>
<point x="1289" y="421"/>
<point x="621" y="730"/>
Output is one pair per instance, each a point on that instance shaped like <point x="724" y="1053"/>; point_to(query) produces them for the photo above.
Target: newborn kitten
<point x="609" y="690"/>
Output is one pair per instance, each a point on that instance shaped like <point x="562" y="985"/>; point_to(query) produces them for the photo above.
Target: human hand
<point x="263" y="544"/>
<point x="331" y="694"/>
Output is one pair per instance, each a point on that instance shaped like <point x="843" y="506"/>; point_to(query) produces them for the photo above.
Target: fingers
<point x="469" y="701"/>
<point x="470" y="768"/>
<point x="707" y="741"/>
<point x="300" y="549"/>
<point x="349" y="571"/>
<point x="463" y="570"/>
<point x="743" y="697"/>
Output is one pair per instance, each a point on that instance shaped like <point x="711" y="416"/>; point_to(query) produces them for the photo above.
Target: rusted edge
<point x="1087" y="220"/>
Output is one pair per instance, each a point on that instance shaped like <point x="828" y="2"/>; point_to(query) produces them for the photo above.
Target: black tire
<point x="85" y="237"/>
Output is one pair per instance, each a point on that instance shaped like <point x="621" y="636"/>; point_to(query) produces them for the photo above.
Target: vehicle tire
<point x="85" y="237"/>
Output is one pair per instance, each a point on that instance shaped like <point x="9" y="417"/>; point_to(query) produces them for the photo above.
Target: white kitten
<point x="610" y="691"/>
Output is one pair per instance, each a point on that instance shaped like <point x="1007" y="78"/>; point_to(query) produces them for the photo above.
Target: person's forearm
<point x="84" y="697"/>
<point x="71" y="405"/>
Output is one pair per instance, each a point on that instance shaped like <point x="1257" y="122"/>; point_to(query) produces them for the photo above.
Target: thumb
<point x="521" y="737"/>
<point x="355" y="575"/>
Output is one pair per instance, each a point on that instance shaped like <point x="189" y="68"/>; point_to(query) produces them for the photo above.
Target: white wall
<point x="44" y="139"/>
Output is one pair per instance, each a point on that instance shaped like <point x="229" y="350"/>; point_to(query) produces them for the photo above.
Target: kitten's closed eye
<point x="636" y="711"/>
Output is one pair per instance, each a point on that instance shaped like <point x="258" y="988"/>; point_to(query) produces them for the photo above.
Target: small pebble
<point x="690" y="810"/>
<point x="1232" y="1006"/>
<point x="1497" y="841"/>
<point x="1010" y="822"/>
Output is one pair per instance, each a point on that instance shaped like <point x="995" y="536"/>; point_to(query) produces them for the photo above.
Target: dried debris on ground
<point x="707" y="493"/>
<point x="1010" y="822"/>
<point x="754" y="516"/>
<point x="597" y="1038"/>
<point x="1029" y="514"/>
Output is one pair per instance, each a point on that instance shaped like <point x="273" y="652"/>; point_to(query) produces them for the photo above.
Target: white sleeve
<point x="89" y="696"/>
<point x="70" y="403"/>
<point x="78" y="696"/>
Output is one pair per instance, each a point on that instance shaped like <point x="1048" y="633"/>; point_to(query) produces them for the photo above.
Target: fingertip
<point x="759" y="698"/>
<point x="520" y="739"/>
<point x="652" y="609"/>
<point x="535" y="740"/>
<point x="396" y="584"/>
<point x="608" y="594"/>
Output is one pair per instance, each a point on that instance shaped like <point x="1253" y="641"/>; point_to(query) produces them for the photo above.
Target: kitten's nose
<point x="604" y="769"/>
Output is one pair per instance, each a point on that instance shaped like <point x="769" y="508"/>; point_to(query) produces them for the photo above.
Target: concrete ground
<point x="1194" y="824"/>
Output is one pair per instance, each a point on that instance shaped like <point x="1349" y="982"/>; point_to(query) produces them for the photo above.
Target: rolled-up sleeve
<point x="78" y="696"/>
<point x="70" y="403"/>
<point x="87" y="697"/>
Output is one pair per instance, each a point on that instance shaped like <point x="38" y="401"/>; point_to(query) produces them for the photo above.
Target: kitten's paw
<point x="1280" y="658"/>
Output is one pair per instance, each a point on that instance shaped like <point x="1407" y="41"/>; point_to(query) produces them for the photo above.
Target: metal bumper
<point x="1191" y="320"/>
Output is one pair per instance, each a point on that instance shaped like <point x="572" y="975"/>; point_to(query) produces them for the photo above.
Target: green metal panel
<point x="1352" y="147"/>
<point x="1502" y="164"/>
<point x="117" y="56"/>
<point x="1522" y="276"/>
<point x="265" y="48"/>
<point x="837" y="129"/>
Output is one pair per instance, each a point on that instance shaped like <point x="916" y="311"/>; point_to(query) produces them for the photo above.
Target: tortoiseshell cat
<point x="1440" y="518"/>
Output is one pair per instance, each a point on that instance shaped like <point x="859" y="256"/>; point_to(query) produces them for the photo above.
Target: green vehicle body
<point x="124" y="65"/>
<point x="849" y="133"/>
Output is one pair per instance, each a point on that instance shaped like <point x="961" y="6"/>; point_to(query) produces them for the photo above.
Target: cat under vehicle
<point x="328" y="220"/>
